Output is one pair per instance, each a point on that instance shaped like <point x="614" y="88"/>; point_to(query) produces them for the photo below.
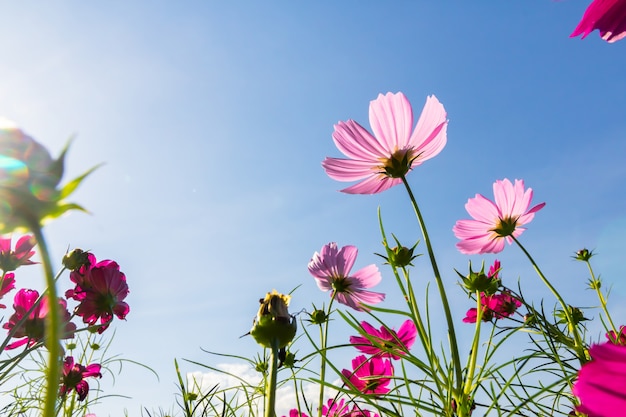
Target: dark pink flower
<point x="618" y="339"/>
<point x="494" y="223"/>
<point x="101" y="290"/>
<point x="386" y="342"/>
<point x="601" y="383"/>
<point x="295" y="413"/>
<point x="369" y="376"/>
<point x="10" y="260"/>
<point x="331" y="270"/>
<point x="7" y="283"/>
<point x="335" y="408"/>
<point x="608" y="16"/>
<point x="32" y="329"/>
<point x="74" y="375"/>
<point x="382" y="159"/>
<point x="496" y="306"/>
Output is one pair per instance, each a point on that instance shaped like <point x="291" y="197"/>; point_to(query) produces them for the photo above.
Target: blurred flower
<point x="608" y="16"/>
<point x="100" y="289"/>
<point x="495" y="222"/>
<point x="386" y="342"/>
<point x="601" y="383"/>
<point x="618" y="339"/>
<point x="28" y="181"/>
<point x="74" y="375"/>
<point x="273" y="325"/>
<point x="369" y="376"/>
<point x="382" y="159"/>
<point x="331" y="270"/>
<point x="335" y="408"/>
<point x="7" y="283"/>
<point x="32" y="328"/>
<point x="10" y="260"/>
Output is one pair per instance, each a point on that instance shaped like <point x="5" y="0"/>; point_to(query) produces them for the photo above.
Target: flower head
<point x="601" y="383"/>
<point x="495" y="222"/>
<point x="381" y="160"/>
<point x="101" y="289"/>
<point x="385" y="342"/>
<point x="74" y="375"/>
<point x="335" y="408"/>
<point x="28" y="181"/>
<point x="331" y="270"/>
<point x="618" y="338"/>
<point x="608" y="16"/>
<point x="369" y="376"/>
<point x="28" y="321"/>
<point x="10" y="260"/>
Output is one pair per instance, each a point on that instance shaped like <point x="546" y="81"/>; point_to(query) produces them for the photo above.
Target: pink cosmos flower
<point x="7" y="283"/>
<point x="496" y="306"/>
<point x="386" y="342"/>
<point x="295" y="413"/>
<point x="382" y="159"/>
<point x="335" y="408"/>
<point x="608" y="16"/>
<point x="619" y="338"/>
<point x="32" y="329"/>
<point x="100" y="289"/>
<point x="369" y="376"/>
<point x="74" y="375"/>
<point x="601" y="383"/>
<point x="331" y="270"/>
<point x="495" y="222"/>
<point x="10" y="260"/>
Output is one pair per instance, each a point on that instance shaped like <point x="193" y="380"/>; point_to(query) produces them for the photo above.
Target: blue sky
<point x="213" y="119"/>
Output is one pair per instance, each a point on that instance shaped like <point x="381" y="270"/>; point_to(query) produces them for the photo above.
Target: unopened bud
<point x="274" y="326"/>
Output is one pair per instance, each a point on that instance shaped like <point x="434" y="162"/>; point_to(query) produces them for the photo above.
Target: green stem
<point x="53" y="327"/>
<point x="573" y="328"/>
<point x="323" y="342"/>
<point x="469" y="381"/>
<point x="442" y="291"/>
<point x="270" y="399"/>
<point x="596" y="286"/>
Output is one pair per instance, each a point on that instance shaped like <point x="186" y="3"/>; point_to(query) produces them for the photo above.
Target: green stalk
<point x="324" y="340"/>
<point x="53" y="327"/>
<point x="469" y="381"/>
<point x="579" y="346"/>
<point x="270" y="394"/>
<point x="596" y="286"/>
<point x="442" y="291"/>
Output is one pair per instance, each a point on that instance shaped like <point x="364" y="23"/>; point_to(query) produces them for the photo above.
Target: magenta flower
<point x="7" y="283"/>
<point x="100" y="289"/>
<point x="331" y="270"/>
<point x="385" y="342"/>
<point x="619" y="338"/>
<point x="10" y="260"/>
<point x="295" y="413"/>
<point x="601" y="383"/>
<point x="498" y="306"/>
<point x="495" y="222"/>
<point x="74" y="375"/>
<point x="608" y="16"/>
<point x="335" y="408"/>
<point x="369" y="376"/>
<point x="32" y="329"/>
<point x="381" y="160"/>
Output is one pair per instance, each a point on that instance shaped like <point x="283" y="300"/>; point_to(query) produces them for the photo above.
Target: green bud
<point x="583" y="255"/>
<point x="274" y="326"/>
<point x="75" y="259"/>
<point x="71" y="346"/>
<point x="318" y="317"/>
<point x="479" y="281"/>
<point x="95" y="346"/>
<point x="191" y="396"/>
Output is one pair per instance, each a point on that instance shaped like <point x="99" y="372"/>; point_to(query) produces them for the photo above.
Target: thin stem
<point x="579" y="346"/>
<point x="474" y="353"/>
<point x="442" y="291"/>
<point x="53" y="326"/>
<point x="323" y="342"/>
<point x="596" y="286"/>
<point x="270" y="403"/>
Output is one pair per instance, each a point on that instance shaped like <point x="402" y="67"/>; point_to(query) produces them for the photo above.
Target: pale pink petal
<point x="356" y="142"/>
<point x="432" y="145"/>
<point x="482" y="209"/>
<point x="391" y="118"/>
<point x="368" y="276"/>
<point x="345" y="260"/>
<point x="372" y="185"/>
<point x="429" y="136"/>
<point x="347" y="169"/>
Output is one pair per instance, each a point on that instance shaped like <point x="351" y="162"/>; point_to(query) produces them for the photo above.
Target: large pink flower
<point x="601" y="383"/>
<point x="382" y="159"/>
<point x="608" y="16"/>
<point x="386" y="342"/>
<point x="495" y="222"/>
<point x="331" y="270"/>
<point x="101" y="290"/>
<point x="28" y="321"/>
<point x="369" y="376"/>
<point x="10" y="260"/>
<point x="74" y="375"/>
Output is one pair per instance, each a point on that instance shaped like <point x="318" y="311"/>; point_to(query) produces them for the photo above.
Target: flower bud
<point x="274" y="327"/>
<point x="583" y="255"/>
<point x="479" y="281"/>
<point x="75" y="259"/>
<point x="318" y="317"/>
